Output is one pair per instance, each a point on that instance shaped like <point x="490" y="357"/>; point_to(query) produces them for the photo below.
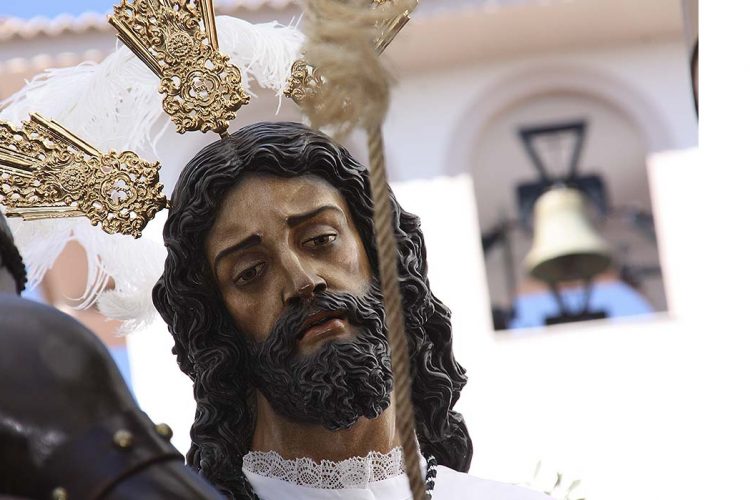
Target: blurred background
<point x="546" y="146"/>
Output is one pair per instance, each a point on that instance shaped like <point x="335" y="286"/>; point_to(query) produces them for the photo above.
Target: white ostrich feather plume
<point x="274" y="48"/>
<point x="115" y="105"/>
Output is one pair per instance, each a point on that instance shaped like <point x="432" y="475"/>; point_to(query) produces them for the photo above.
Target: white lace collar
<point x="356" y="472"/>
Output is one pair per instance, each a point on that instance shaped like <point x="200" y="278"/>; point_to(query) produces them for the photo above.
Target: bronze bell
<point x="566" y="246"/>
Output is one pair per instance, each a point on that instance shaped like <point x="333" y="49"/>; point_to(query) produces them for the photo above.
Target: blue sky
<point x="52" y="8"/>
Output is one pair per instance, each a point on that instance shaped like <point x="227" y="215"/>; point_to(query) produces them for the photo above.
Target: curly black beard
<point x="343" y="380"/>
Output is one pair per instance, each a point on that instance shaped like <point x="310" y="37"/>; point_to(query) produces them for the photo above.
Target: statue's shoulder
<point x="453" y="485"/>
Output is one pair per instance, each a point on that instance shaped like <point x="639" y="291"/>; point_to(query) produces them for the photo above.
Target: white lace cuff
<point x="356" y="472"/>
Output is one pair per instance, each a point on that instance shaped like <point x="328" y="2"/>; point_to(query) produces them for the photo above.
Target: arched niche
<point x="622" y="129"/>
<point x="506" y="93"/>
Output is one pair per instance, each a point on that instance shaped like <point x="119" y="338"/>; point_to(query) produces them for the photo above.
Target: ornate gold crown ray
<point x="304" y="81"/>
<point x="48" y="172"/>
<point x="202" y="89"/>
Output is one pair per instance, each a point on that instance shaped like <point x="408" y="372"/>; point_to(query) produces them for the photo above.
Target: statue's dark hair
<point x="11" y="260"/>
<point x="211" y="353"/>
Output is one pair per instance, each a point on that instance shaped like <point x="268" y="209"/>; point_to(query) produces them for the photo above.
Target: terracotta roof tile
<point x="14" y="28"/>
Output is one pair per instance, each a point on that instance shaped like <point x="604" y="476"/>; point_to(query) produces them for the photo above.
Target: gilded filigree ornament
<point x="47" y="172"/>
<point x="304" y="81"/>
<point x="390" y="29"/>
<point x="177" y="40"/>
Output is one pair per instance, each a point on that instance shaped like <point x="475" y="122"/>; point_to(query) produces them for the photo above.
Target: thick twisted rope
<point x="355" y="92"/>
<point x="394" y="312"/>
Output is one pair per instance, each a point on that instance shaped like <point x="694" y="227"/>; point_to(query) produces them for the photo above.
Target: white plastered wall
<point x="436" y="116"/>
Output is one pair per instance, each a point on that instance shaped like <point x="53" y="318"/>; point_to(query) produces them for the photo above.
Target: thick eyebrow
<point x="295" y="220"/>
<point x="249" y="242"/>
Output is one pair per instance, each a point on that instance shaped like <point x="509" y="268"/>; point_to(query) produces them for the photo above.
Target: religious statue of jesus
<point x="270" y="290"/>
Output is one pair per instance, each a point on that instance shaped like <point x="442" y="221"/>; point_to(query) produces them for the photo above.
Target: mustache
<point x="297" y="316"/>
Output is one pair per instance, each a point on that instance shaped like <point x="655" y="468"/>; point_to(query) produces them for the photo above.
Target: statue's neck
<point x="291" y="440"/>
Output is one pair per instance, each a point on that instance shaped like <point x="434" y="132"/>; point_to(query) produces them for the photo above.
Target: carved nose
<point x="302" y="278"/>
<point x="308" y="289"/>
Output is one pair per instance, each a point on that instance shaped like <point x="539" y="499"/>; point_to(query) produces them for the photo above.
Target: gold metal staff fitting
<point x="202" y="89"/>
<point x="46" y="172"/>
<point x="304" y="81"/>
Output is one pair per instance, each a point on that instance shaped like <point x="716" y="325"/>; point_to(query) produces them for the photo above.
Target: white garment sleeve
<point x="452" y="485"/>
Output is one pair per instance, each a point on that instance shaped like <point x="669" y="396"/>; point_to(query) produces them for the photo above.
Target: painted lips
<point x="322" y="325"/>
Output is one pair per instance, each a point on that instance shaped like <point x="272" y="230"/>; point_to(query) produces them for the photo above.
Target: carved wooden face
<point x="276" y="240"/>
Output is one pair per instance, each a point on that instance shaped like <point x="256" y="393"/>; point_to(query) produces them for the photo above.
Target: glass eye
<point x="320" y="240"/>
<point x="249" y="274"/>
